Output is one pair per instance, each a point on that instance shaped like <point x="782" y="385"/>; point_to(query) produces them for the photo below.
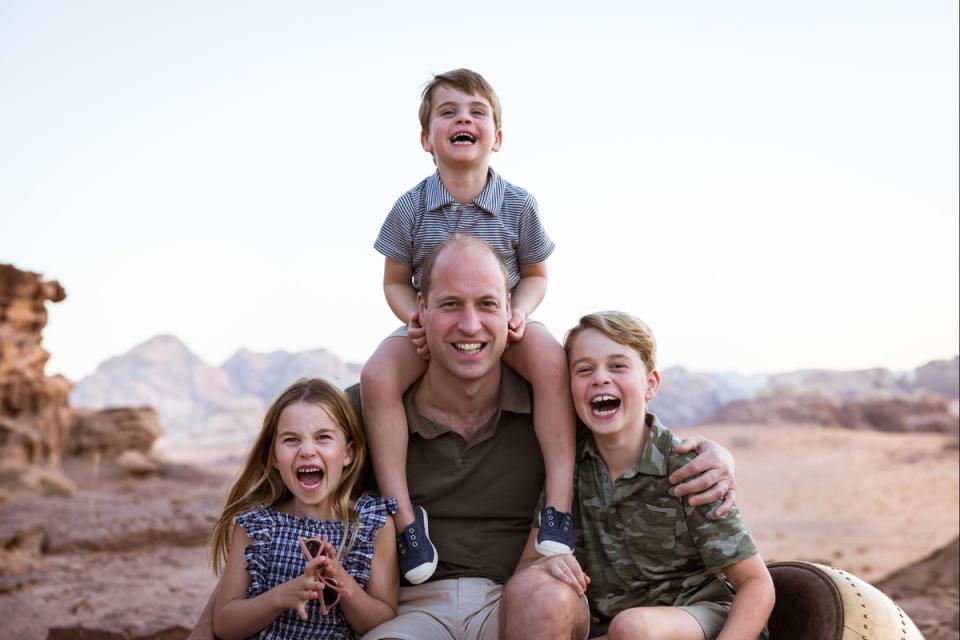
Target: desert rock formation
<point x="34" y="412"/>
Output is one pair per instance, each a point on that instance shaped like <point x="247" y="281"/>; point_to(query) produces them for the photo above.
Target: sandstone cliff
<point x="34" y="412"/>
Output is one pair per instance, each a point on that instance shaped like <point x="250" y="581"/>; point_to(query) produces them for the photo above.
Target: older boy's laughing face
<point x="462" y="129"/>
<point x="610" y="384"/>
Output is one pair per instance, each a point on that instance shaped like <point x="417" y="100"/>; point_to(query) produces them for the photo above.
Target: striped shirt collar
<point x="656" y="451"/>
<point x="490" y="199"/>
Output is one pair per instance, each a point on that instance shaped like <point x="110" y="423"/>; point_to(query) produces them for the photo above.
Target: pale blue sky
<point x="770" y="185"/>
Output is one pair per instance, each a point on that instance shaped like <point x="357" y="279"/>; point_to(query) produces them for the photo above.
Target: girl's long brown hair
<point x="259" y="484"/>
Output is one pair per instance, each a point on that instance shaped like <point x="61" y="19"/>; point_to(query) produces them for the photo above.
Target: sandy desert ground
<point x="125" y="557"/>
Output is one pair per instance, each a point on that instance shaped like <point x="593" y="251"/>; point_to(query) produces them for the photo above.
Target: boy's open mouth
<point x="309" y="476"/>
<point x="463" y="138"/>
<point x="469" y="348"/>
<point x="604" y="405"/>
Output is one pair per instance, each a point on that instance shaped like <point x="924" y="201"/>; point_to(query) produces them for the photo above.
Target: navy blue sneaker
<point x="555" y="536"/>
<point x="418" y="556"/>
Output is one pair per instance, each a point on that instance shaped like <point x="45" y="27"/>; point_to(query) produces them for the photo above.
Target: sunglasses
<point x="330" y="591"/>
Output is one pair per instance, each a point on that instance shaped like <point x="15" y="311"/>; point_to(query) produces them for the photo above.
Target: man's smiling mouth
<point x="469" y="348"/>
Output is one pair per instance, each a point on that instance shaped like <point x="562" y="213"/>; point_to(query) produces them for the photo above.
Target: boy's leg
<point x="540" y="359"/>
<point x="392" y="368"/>
<point x="655" y="623"/>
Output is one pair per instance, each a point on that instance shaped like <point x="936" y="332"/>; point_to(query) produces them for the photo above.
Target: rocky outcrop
<point x="941" y="377"/>
<point x="34" y="412"/>
<point x="114" y="431"/>
<point x="918" y="413"/>
<point x="691" y="397"/>
<point x="928" y="590"/>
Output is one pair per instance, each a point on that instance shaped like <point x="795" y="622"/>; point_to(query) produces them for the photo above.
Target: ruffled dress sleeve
<point x="259" y="526"/>
<point x="372" y="513"/>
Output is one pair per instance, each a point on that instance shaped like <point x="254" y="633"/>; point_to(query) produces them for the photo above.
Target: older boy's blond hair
<point x="622" y="328"/>
<point x="465" y="80"/>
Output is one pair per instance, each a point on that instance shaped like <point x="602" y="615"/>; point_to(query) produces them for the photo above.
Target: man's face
<point x="466" y="316"/>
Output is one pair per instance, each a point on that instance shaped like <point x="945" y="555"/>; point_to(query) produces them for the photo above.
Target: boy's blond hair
<point x="622" y="328"/>
<point x="465" y="80"/>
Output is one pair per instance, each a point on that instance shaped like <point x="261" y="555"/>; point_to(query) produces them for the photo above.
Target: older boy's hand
<point x="708" y="477"/>
<point x="418" y="336"/>
<point x="516" y="326"/>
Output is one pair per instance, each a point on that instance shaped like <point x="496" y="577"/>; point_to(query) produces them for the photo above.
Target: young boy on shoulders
<point x="653" y="561"/>
<point x="460" y="128"/>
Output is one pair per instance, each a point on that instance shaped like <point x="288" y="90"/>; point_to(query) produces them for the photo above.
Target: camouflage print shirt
<point x="642" y="546"/>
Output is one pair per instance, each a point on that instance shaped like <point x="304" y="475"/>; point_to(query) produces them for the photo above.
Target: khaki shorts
<point x="456" y="609"/>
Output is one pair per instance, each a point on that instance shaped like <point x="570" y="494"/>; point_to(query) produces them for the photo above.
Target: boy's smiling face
<point x="610" y="384"/>
<point x="462" y="129"/>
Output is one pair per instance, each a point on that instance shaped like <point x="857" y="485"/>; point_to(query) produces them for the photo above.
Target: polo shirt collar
<point x="656" y="451"/>
<point x="490" y="199"/>
<point x="514" y="397"/>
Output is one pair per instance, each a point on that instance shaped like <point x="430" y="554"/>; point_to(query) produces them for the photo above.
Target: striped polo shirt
<point x="504" y="215"/>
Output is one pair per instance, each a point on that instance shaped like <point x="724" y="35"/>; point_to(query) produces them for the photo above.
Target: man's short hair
<point x="465" y="80"/>
<point x="622" y="328"/>
<point x="461" y="240"/>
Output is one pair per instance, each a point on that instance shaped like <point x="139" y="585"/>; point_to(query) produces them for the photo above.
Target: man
<point x="474" y="463"/>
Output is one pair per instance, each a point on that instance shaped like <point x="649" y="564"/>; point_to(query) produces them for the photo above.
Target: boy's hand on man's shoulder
<point x="516" y="326"/>
<point x="418" y="336"/>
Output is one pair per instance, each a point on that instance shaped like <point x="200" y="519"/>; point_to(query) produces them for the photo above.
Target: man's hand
<point x="708" y="477"/>
<point x="418" y="336"/>
<point x="516" y="326"/>
<point x="566" y="569"/>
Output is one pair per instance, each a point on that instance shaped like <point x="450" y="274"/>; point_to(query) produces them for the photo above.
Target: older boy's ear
<point x="653" y="384"/>
<point x="497" y="140"/>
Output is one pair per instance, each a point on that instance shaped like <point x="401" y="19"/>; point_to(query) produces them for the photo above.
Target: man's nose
<point x="469" y="320"/>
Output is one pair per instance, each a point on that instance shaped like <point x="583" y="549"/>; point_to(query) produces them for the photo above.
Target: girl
<point x="299" y="558"/>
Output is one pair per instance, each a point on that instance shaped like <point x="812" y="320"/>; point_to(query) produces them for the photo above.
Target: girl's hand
<point x="296" y="593"/>
<point x="516" y="326"/>
<point x="418" y="336"/>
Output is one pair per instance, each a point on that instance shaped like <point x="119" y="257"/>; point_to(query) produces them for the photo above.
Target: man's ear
<point x="421" y="306"/>
<point x="653" y="384"/>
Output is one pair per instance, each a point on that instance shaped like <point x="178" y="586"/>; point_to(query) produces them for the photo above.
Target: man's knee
<point x="535" y="594"/>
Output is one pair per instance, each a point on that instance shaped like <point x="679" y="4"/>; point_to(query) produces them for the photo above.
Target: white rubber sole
<point x="422" y="572"/>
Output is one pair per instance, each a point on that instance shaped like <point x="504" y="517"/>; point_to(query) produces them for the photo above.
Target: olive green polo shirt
<point x="642" y="546"/>
<point x="478" y="494"/>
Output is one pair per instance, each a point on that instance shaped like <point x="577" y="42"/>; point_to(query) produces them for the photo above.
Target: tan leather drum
<point x="817" y="602"/>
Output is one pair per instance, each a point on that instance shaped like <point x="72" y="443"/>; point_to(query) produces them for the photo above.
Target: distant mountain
<point x="202" y="408"/>
<point x="216" y="411"/>
<point x="265" y="375"/>
<point x="691" y="397"/>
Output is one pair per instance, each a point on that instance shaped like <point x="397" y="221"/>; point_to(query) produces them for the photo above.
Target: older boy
<point x="653" y="560"/>
<point x="460" y="122"/>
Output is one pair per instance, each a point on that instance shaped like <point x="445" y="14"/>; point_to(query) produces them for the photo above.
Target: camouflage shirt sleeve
<point x="722" y="542"/>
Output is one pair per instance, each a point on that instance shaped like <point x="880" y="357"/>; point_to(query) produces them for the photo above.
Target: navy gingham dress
<point x="274" y="557"/>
